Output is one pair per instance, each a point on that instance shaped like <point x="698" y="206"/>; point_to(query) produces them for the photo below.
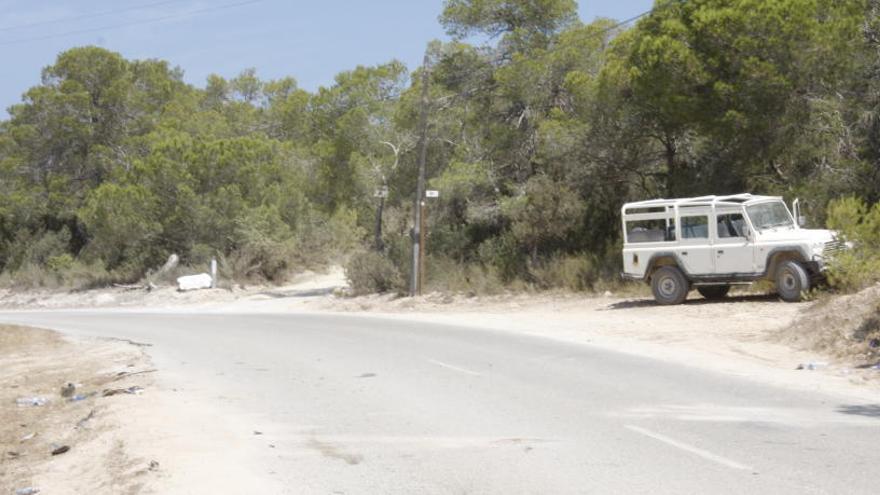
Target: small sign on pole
<point x="432" y="193"/>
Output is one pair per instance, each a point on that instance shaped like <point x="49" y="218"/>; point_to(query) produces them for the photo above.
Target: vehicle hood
<point x="811" y="236"/>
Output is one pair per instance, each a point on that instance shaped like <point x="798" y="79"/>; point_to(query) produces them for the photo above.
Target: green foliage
<point x="522" y="19"/>
<point x="859" y="224"/>
<point x="534" y="141"/>
<point x="369" y="272"/>
<point x="121" y="222"/>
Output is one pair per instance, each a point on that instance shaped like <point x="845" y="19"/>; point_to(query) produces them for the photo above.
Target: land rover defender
<point x="713" y="242"/>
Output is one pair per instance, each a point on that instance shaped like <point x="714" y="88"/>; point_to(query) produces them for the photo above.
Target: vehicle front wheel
<point x="792" y="281"/>
<point x="669" y="285"/>
<point x="714" y="291"/>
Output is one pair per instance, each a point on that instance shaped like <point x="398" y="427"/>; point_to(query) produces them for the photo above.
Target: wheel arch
<point x="777" y="256"/>
<point x="661" y="259"/>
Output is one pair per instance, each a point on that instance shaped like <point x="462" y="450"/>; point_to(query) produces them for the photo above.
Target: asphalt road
<point x="363" y="405"/>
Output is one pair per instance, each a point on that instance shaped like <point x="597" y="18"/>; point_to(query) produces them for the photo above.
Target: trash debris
<point x="82" y="422"/>
<point x="135" y="390"/>
<point x="169" y="265"/>
<point x="812" y="365"/>
<point x="194" y="282"/>
<point x="61" y="450"/>
<point x="79" y="397"/>
<point x="13" y="454"/>
<point x="68" y="390"/>
<point x="28" y="437"/>
<point x="31" y="401"/>
<point x="123" y="374"/>
<point x="258" y="432"/>
<point x="154" y="465"/>
<point x="27" y="491"/>
<point x="874" y="343"/>
<point x="367" y="375"/>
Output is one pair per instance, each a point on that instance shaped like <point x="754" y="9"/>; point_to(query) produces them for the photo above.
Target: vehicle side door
<point x="734" y="253"/>
<point x="695" y="249"/>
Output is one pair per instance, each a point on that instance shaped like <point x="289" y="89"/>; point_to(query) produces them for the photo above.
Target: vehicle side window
<point x="731" y="225"/>
<point x="695" y="227"/>
<point x="660" y="230"/>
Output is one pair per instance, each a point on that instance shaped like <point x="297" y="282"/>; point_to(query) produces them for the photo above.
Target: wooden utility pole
<point x="423" y="244"/>
<point x="415" y="284"/>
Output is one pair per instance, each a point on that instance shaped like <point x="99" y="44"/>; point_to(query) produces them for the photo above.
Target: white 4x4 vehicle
<point x="713" y="242"/>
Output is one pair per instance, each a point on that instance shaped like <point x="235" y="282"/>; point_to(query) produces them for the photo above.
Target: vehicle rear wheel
<point x="669" y="286"/>
<point x="792" y="281"/>
<point x="714" y="291"/>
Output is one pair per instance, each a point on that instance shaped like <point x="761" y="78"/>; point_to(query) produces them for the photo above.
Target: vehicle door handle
<point x="684" y="253"/>
<point x="720" y="252"/>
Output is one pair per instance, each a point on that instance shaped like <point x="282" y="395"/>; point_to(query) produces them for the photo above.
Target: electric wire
<point x="132" y="23"/>
<point x="86" y="16"/>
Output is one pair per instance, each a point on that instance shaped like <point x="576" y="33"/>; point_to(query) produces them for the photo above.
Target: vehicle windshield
<point x="769" y="215"/>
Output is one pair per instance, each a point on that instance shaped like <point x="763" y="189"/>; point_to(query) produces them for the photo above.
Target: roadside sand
<point x="36" y="364"/>
<point x="154" y="441"/>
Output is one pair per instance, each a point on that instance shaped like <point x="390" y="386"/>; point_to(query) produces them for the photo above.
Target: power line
<point x="633" y="18"/>
<point x="132" y="23"/>
<point x="85" y="16"/>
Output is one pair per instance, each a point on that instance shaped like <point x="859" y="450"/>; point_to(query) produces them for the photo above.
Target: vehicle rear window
<point x="696" y="227"/>
<point x="659" y="230"/>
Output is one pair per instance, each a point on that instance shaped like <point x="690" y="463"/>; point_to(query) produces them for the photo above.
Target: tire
<point x="792" y="281"/>
<point x="669" y="286"/>
<point x="714" y="291"/>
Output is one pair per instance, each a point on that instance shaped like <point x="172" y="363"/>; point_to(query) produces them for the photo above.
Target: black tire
<point x="714" y="291"/>
<point x="669" y="286"/>
<point x="792" y="281"/>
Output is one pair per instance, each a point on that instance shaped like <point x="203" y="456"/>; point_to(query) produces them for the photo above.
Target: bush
<point x="447" y="275"/>
<point x="36" y="248"/>
<point x="569" y="272"/>
<point x="859" y="267"/>
<point x="60" y="272"/>
<point x="264" y="246"/>
<point x="369" y="272"/>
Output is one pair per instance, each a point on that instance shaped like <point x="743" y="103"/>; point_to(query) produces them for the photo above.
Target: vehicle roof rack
<point x="736" y="199"/>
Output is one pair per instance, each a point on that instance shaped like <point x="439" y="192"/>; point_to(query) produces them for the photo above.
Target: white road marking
<point x="688" y="448"/>
<point x="453" y="368"/>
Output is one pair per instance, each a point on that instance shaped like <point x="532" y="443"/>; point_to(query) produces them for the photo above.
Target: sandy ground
<point x="37" y="364"/>
<point x="153" y="441"/>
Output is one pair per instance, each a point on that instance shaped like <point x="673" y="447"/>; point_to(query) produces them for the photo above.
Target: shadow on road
<point x="646" y="303"/>
<point x="867" y="410"/>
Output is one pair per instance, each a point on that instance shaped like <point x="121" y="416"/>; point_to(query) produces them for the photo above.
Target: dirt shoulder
<point x="121" y="430"/>
<point x="77" y="442"/>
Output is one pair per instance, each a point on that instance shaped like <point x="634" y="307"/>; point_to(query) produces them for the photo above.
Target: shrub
<point x="264" y="245"/>
<point x="36" y="248"/>
<point x="857" y="223"/>
<point x="570" y="272"/>
<point x="61" y="272"/>
<point x="447" y="275"/>
<point x="369" y="272"/>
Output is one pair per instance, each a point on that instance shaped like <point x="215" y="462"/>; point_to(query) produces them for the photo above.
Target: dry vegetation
<point x="845" y="327"/>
